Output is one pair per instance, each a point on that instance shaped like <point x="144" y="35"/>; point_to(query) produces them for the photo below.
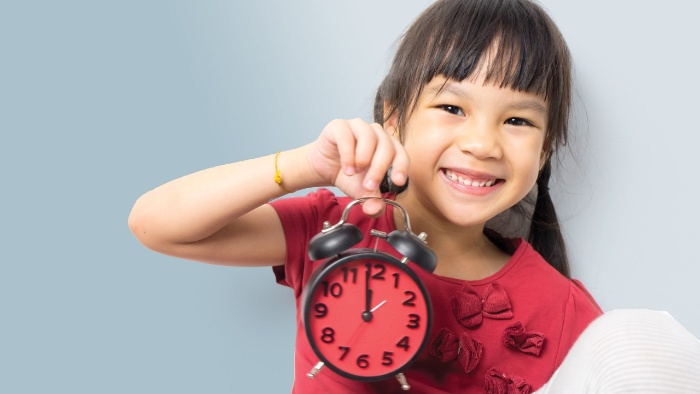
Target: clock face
<point x="367" y="315"/>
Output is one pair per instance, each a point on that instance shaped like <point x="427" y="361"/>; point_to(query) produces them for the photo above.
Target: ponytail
<point x="545" y="234"/>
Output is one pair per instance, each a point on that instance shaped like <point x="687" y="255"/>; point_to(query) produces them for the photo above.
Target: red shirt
<point x="530" y="318"/>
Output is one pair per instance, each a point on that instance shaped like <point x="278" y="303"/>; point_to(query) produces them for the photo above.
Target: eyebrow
<point x="530" y="105"/>
<point x="454" y="89"/>
<point x="449" y="87"/>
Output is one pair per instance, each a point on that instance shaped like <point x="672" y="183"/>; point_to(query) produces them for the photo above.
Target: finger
<point x="373" y="207"/>
<point x="344" y="140"/>
<point x="383" y="157"/>
<point x="365" y="143"/>
<point x="400" y="164"/>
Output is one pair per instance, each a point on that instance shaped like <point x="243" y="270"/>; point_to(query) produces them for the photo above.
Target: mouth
<point x="471" y="180"/>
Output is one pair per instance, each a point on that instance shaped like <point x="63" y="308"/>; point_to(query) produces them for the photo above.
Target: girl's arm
<point x="219" y="215"/>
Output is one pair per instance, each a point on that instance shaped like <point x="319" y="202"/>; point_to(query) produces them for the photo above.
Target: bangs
<point x="509" y="39"/>
<point x="512" y="43"/>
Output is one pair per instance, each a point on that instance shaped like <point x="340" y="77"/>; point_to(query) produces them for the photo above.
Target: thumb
<point x="374" y="206"/>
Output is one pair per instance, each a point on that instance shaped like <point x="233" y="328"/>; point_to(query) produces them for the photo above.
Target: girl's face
<point x="475" y="150"/>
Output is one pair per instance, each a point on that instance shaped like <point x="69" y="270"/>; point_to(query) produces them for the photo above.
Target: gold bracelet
<point x="278" y="176"/>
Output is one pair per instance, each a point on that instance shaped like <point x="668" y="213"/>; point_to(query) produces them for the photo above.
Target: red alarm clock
<point x="366" y="313"/>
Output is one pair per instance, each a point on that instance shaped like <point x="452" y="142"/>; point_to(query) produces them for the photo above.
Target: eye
<point x="519" y="122"/>
<point x="453" y="109"/>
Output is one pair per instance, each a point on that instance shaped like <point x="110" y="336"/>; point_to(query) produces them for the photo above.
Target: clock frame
<point x="348" y="340"/>
<point x="366" y="314"/>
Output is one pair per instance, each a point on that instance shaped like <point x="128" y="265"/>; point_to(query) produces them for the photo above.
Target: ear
<point x="391" y="123"/>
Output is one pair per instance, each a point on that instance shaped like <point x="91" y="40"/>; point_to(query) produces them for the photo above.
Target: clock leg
<point x="402" y="380"/>
<point x="315" y="370"/>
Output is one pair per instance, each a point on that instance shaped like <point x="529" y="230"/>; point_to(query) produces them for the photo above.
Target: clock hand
<point x="377" y="307"/>
<point x="367" y="313"/>
<point x="362" y="325"/>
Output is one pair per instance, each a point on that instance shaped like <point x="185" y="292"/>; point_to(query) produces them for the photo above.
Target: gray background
<point x="101" y="101"/>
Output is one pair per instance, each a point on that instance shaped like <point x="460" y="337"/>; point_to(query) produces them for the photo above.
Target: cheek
<point x="532" y="177"/>
<point x="423" y="145"/>
<point x="528" y="159"/>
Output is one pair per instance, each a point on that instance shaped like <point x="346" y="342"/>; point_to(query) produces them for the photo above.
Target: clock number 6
<point x="362" y="361"/>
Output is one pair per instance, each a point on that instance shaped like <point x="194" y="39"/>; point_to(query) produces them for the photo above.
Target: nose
<point x="480" y="140"/>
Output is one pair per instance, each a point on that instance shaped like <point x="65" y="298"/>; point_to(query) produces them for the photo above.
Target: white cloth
<point x="630" y="351"/>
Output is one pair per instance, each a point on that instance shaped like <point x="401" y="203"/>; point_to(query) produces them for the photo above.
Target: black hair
<point x="526" y="52"/>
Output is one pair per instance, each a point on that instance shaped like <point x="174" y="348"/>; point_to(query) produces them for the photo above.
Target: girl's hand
<point x="354" y="156"/>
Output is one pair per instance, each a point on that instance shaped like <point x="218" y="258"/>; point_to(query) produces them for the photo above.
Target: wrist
<point x="294" y="172"/>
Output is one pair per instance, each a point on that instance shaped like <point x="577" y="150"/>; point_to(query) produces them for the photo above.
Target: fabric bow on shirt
<point x="517" y="337"/>
<point x="499" y="383"/>
<point x="471" y="308"/>
<point x="447" y="346"/>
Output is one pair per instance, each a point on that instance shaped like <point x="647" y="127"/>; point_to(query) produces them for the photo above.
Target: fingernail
<point x="349" y="171"/>
<point x="399" y="178"/>
<point x="370" y="184"/>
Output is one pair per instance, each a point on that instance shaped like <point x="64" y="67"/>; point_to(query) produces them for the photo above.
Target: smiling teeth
<point x="468" y="182"/>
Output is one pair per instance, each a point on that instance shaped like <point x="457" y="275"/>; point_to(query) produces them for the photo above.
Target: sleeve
<point x="581" y="310"/>
<point x="302" y="218"/>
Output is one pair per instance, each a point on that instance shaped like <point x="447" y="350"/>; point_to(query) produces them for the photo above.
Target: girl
<point x="468" y="118"/>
